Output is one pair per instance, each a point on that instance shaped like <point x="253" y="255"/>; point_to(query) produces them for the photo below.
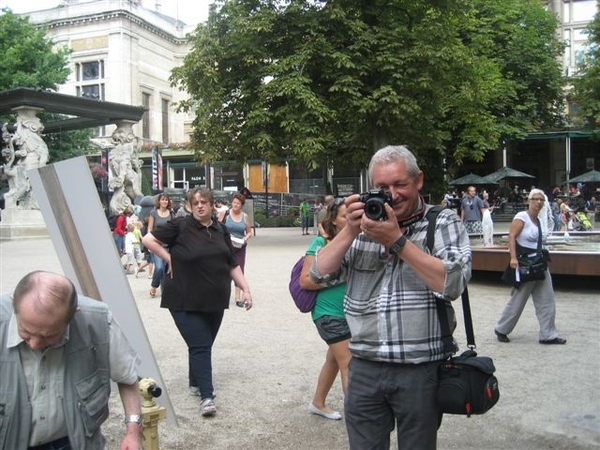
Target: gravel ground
<point x="266" y="363"/>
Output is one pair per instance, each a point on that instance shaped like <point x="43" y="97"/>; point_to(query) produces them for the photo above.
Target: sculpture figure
<point x="124" y="166"/>
<point x="22" y="150"/>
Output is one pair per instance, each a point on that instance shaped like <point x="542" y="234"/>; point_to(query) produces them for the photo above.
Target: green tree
<point x="325" y="80"/>
<point x="29" y="59"/>
<point x="586" y="92"/>
<point x="66" y="144"/>
<point x="518" y="37"/>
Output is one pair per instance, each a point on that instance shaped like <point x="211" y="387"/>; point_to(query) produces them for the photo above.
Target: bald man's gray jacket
<point x="86" y="380"/>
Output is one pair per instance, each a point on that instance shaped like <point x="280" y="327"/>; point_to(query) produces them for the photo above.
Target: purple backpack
<point x="304" y="299"/>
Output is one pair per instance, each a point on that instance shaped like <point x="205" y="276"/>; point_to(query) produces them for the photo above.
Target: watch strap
<point x="398" y="245"/>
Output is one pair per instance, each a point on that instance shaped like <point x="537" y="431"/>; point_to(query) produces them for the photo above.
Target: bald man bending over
<point x="58" y="353"/>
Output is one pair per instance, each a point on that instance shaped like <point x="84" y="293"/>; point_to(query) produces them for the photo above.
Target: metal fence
<point x="340" y="187"/>
<point x="279" y="204"/>
<point x="310" y="186"/>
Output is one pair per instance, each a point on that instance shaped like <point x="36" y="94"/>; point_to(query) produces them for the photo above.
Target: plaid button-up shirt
<point x="391" y="313"/>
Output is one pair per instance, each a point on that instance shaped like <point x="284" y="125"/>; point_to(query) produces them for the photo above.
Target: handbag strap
<point x="539" y="241"/>
<point x="444" y="324"/>
<point x="525" y="250"/>
<point x="441" y="303"/>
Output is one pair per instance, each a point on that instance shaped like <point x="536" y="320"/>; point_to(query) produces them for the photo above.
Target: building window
<point x="576" y="46"/>
<point x="179" y="180"/>
<point x="94" y="91"/>
<point x="90" y="79"/>
<point x="566" y="18"/>
<point x="165" y="120"/>
<point x="92" y="70"/>
<point x="583" y="10"/>
<point x="146" y="116"/>
<point x="573" y="109"/>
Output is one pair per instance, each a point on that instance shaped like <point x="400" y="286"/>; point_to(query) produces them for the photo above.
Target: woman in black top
<point x="197" y="285"/>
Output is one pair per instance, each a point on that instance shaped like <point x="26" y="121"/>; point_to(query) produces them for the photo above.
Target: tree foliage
<point x="313" y="80"/>
<point x="29" y="59"/>
<point x="586" y="93"/>
<point x="66" y="144"/>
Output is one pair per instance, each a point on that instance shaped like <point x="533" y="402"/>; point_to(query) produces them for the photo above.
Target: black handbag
<point x="532" y="264"/>
<point x="466" y="383"/>
<point x="532" y="267"/>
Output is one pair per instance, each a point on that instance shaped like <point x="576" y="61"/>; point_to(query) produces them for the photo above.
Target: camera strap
<point x="415" y="217"/>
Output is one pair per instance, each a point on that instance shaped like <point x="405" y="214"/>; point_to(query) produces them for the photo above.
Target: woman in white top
<point x="522" y="239"/>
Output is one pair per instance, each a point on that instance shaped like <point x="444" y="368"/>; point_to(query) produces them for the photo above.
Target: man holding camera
<point x="390" y="302"/>
<point x="59" y="352"/>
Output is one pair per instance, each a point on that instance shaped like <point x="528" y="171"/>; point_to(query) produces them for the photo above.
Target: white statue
<point x="487" y="225"/>
<point x="546" y="219"/>
<point x="22" y="151"/>
<point x="124" y="166"/>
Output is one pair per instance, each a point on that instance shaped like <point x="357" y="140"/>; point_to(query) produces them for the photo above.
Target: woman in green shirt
<point x="328" y="316"/>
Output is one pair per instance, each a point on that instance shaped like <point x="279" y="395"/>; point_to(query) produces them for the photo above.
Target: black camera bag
<point x="466" y="383"/>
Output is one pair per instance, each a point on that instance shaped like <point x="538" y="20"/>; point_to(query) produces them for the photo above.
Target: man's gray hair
<point x="395" y="153"/>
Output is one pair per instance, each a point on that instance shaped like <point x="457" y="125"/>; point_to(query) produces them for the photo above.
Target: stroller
<point x="580" y="221"/>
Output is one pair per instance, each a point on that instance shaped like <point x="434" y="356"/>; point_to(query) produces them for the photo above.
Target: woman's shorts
<point x="474" y="227"/>
<point x="332" y="329"/>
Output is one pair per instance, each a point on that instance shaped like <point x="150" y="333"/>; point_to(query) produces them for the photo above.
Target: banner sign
<point x="157" y="169"/>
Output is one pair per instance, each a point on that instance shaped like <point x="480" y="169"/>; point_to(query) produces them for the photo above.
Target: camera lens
<point x="374" y="209"/>
<point x="375" y="201"/>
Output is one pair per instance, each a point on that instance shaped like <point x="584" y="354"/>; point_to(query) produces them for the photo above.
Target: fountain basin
<point x="578" y="255"/>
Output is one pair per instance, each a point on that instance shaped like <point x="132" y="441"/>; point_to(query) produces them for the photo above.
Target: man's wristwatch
<point x="134" y="418"/>
<point x="398" y="245"/>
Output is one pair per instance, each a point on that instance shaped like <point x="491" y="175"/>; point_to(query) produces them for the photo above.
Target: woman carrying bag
<point x="328" y="316"/>
<point x="524" y="239"/>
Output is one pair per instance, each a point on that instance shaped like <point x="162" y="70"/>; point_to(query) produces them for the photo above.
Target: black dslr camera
<point x="374" y="201"/>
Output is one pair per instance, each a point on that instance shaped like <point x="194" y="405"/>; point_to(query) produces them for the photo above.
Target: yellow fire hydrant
<point x="151" y="413"/>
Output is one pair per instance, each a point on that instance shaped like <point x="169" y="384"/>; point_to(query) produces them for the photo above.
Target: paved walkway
<point x="266" y="363"/>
